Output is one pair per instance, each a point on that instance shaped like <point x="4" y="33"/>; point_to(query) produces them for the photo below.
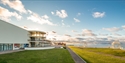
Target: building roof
<point x="37" y="31"/>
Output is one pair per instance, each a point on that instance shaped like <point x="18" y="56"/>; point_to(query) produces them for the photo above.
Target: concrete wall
<point x="39" y="48"/>
<point x="10" y="33"/>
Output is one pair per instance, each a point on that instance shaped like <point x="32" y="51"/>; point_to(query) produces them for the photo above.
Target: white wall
<point x="39" y="48"/>
<point x="10" y="33"/>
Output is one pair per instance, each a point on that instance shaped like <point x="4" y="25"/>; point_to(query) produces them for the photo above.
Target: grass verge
<point x="38" y="56"/>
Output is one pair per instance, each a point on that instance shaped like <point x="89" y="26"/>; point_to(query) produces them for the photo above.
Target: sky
<point x="72" y="20"/>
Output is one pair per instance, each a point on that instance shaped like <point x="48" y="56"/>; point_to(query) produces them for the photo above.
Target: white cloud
<point x="110" y="38"/>
<point x="74" y="31"/>
<point x="52" y="13"/>
<point x="119" y="38"/>
<point x="5" y="14"/>
<point x="76" y="20"/>
<point x="114" y="29"/>
<point x="51" y="32"/>
<point x="61" y="13"/>
<point x="51" y="35"/>
<point x="116" y="34"/>
<point x="98" y="14"/>
<point x="45" y="17"/>
<point x="62" y="37"/>
<point x="103" y="34"/>
<point x="64" y="25"/>
<point x="123" y="27"/>
<point x="78" y="34"/>
<point x="66" y="37"/>
<point x="86" y="32"/>
<point x="15" y="4"/>
<point x="40" y="19"/>
<point x="30" y="12"/>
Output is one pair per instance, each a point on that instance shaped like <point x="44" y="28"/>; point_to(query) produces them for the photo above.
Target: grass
<point x="38" y="56"/>
<point x="115" y="52"/>
<point x="100" y="55"/>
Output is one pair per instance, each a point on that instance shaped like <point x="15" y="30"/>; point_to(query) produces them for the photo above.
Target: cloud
<point x="30" y="12"/>
<point x="52" y="13"/>
<point x="86" y="32"/>
<point x="51" y="32"/>
<point x="51" y="35"/>
<point x="63" y="24"/>
<point x="98" y="14"/>
<point x="67" y="35"/>
<point x="116" y="34"/>
<point x="123" y="27"/>
<point x="40" y="19"/>
<point x="76" y="20"/>
<point x="114" y="29"/>
<point x="103" y="34"/>
<point x="110" y="38"/>
<point x="15" y="4"/>
<point x="74" y="31"/>
<point x="78" y="34"/>
<point x="5" y="14"/>
<point x="61" y="13"/>
<point x="78" y="14"/>
<point x="119" y="38"/>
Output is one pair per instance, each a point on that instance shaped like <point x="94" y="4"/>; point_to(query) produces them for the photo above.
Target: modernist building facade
<point x="13" y="37"/>
<point x="10" y="35"/>
<point x="38" y="39"/>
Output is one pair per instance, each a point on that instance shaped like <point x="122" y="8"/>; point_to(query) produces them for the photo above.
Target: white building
<point x="38" y="39"/>
<point x="12" y="36"/>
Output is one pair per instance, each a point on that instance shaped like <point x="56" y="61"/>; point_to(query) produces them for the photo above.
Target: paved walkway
<point x="5" y="52"/>
<point x="75" y="57"/>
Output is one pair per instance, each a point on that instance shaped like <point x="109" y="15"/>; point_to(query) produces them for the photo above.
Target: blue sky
<point x="72" y="19"/>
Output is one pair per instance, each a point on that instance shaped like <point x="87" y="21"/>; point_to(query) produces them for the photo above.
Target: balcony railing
<point x="37" y="35"/>
<point x="36" y="40"/>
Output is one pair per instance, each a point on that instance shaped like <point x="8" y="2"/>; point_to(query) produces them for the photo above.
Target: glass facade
<point x="6" y="47"/>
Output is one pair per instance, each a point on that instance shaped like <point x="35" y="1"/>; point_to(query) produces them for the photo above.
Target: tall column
<point x="13" y="46"/>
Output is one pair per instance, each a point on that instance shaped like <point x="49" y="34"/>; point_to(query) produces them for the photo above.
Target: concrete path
<point x="75" y="57"/>
<point x="5" y="52"/>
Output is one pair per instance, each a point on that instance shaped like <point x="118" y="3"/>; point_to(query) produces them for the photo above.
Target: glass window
<point x="10" y="46"/>
<point x="5" y="47"/>
<point x="0" y="47"/>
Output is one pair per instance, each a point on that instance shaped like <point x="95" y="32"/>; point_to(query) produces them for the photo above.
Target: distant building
<point x="11" y="36"/>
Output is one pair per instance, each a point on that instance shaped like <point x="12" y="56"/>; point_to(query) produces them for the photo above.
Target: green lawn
<point x="38" y="56"/>
<point x="100" y="55"/>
